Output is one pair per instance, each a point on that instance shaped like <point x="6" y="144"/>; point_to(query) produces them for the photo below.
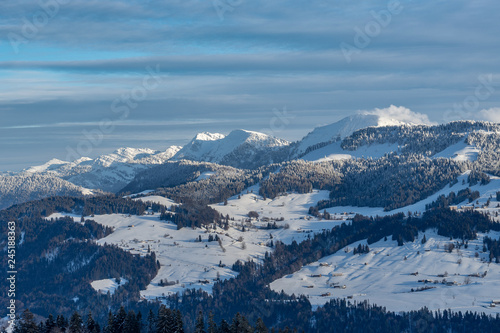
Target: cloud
<point x="492" y="114"/>
<point x="394" y="114"/>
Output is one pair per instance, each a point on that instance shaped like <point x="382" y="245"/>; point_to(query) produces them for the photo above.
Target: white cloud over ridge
<point x="399" y="114"/>
<point x="492" y="115"/>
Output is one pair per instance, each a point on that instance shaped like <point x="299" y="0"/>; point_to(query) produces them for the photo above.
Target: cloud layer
<point x="70" y="61"/>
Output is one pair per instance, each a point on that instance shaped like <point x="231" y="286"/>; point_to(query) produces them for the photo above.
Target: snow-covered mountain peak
<point x="50" y="165"/>
<point x="206" y="136"/>
<point x="392" y="116"/>
<point x="217" y="148"/>
<point x="256" y="138"/>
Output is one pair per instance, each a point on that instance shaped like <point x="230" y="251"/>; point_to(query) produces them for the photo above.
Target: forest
<point x="62" y="253"/>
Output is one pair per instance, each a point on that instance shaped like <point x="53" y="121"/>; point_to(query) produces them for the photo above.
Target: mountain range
<point x="240" y="149"/>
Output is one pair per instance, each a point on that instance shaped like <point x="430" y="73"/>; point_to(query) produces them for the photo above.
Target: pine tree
<point x="179" y="323"/>
<point x="50" y="323"/>
<point x="162" y="321"/>
<point x="171" y="321"/>
<point x="75" y="323"/>
<point x="200" y="323"/>
<point x="424" y="240"/>
<point x="130" y="323"/>
<point x="111" y="324"/>
<point x="224" y="327"/>
<point x="212" y="326"/>
<point x="62" y="323"/>
<point x="27" y="323"/>
<point x="151" y="322"/>
<point x="90" y="323"/>
<point x="260" y="327"/>
<point x="119" y="320"/>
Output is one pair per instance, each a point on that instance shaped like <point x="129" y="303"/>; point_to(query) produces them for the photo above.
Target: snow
<point x="109" y="172"/>
<point x="190" y="264"/>
<point x="159" y="200"/>
<point x="103" y="286"/>
<point x="193" y="264"/>
<point x="335" y="152"/>
<point x="384" y="277"/>
<point x="460" y="152"/>
<point x="138" y="194"/>
<point x="53" y="163"/>
<point x="343" y="128"/>
<point x="485" y="191"/>
<point x="214" y="147"/>
<point x="205" y="175"/>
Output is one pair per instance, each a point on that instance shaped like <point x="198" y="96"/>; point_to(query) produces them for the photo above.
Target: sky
<point x="85" y="77"/>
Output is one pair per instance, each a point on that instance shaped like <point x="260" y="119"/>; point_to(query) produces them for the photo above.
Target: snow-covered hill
<point x="240" y="148"/>
<point x="389" y="276"/>
<point x="327" y="138"/>
<point x="21" y="188"/>
<point x="107" y="172"/>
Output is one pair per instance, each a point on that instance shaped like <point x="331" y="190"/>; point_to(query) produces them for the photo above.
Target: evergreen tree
<point x="424" y="240"/>
<point x="27" y="323"/>
<point x="162" y="321"/>
<point x="200" y="323"/>
<point x="90" y="324"/>
<point x="224" y="327"/>
<point x="151" y="328"/>
<point x="212" y="326"/>
<point x="62" y="323"/>
<point x="130" y="324"/>
<point x="179" y="323"/>
<point x="119" y="320"/>
<point x="110" y="328"/>
<point x="260" y="327"/>
<point x="171" y="321"/>
<point x="75" y="323"/>
<point x="50" y="324"/>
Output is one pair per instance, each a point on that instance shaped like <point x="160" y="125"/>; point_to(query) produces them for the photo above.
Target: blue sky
<point x="161" y="71"/>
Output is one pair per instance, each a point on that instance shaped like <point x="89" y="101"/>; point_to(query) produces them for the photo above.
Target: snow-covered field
<point x="108" y="285"/>
<point x="335" y="152"/>
<point x="388" y="273"/>
<point x="158" y="200"/>
<point x="460" y="152"/>
<point x="193" y="264"/>
<point x="487" y="192"/>
<point x="386" y="280"/>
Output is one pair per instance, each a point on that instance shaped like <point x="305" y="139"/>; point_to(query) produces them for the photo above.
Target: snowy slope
<point x="341" y="129"/>
<point x="334" y="151"/>
<point x="486" y="191"/>
<point x="25" y="187"/>
<point x="460" y="151"/>
<point x="217" y="148"/>
<point x="107" y="172"/>
<point x="196" y="265"/>
<point x="108" y="285"/>
<point x="384" y="277"/>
